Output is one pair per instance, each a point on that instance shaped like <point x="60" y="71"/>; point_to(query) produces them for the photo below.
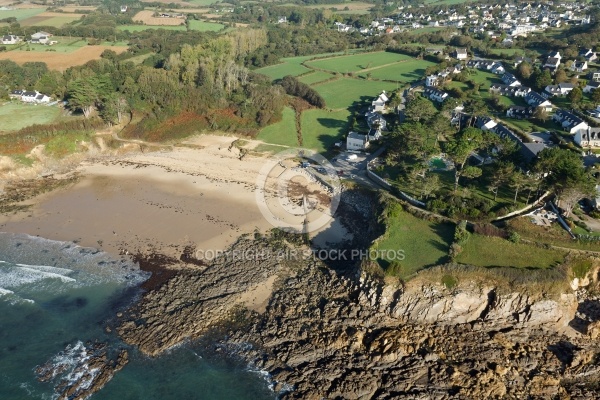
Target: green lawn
<point x="22" y="13"/>
<point x="205" y="26"/>
<point x="357" y="62"/>
<point x="344" y="92"/>
<point x="424" y="243"/>
<point x="14" y="116"/>
<point x="203" y="2"/>
<point x="407" y="71"/>
<point x="315" y="77"/>
<point x="282" y="132"/>
<point x="138" y="28"/>
<point x="322" y="128"/>
<point x="531" y="125"/>
<point x="486" y="251"/>
<point x="287" y="67"/>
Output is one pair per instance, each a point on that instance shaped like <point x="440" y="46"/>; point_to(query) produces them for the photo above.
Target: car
<point x="322" y="170"/>
<point x="340" y="172"/>
<point x="305" y="164"/>
<point x="333" y="159"/>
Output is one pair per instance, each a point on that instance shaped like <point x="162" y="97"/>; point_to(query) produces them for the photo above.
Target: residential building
<point x="588" y="138"/>
<point x="34" y="97"/>
<point x="460" y="54"/>
<point x="41" y="37"/>
<point x="520" y="112"/>
<point x="505" y="90"/>
<point x="10" y="39"/>
<point x="432" y="80"/>
<point x="356" y="141"/>
<point x="579" y="66"/>
<point x="561" y="89"/>
<point x="591" y="86"/>
<point x="435" y="94"/>
<point x="594" y="76"/>
<point x="535" y="100"/>
<point x="569" y="121"/>
<point x="510" y="80"/>
<point x="588" y="54"/>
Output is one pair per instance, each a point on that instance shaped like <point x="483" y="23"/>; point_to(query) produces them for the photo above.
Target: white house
<point x="579" y="66"/>
<point x="356" y="141"/>
<point x="435" y="94"/>
<point x="535" y="100"/>
<point x="41" y="37"/>
<point x="460" y="54"/>
<point x="378" y="105"/>
<point x="123" y="9"/>
<point x="510" y="80"/>
<point x="10" y="39"/>
<point x="588" y="138"/>
<point x="561" y="89"/>
<point x="431" y="80"/>
<point x="31" y="96"/>
<point x="569" y="121"/>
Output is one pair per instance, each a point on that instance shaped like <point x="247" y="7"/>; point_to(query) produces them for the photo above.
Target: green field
<point x="405" y="72"/>
<point x="357" y="62"/>
<point x="486" y="251"/>
<point x="322" y="128"/>
<point x="288" y="66"/>
<point x="203" y="2"/>
<point x="22" y="13"/>
<point x="56" y="22"/>
<point x="14" y="116"/>
<point x="282" y="132"/>
<point x="344" y="92"/>
<point x="423" y="243"/>
<point x="138" y="28"/>
<point x="315" y="77"/>
<point x="204" y="26"/>
<point x="64" y="45"/>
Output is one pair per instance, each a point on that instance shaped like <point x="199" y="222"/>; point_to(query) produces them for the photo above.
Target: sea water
<point x="56" y="298"/>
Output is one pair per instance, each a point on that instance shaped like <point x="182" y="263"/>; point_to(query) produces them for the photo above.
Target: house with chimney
<point x="569" y="121"/>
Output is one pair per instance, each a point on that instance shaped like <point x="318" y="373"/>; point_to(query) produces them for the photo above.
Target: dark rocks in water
<point x="66" y="304"/>
<point x="87" y="372"/>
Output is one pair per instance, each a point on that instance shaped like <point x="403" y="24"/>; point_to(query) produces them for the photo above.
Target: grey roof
<point x="29" y="94"/>
<point x="530" y="150"/>
<point x="357" y="136"/>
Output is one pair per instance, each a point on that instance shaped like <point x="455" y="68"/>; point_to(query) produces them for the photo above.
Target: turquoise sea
<point x="57" y="298"/>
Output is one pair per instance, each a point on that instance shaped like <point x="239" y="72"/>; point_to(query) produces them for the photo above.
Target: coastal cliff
<point x="328" y="335"/>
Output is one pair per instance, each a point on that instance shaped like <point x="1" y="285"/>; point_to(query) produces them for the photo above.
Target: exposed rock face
<point x="196" y="299"/>
<point x="330" y="338"/>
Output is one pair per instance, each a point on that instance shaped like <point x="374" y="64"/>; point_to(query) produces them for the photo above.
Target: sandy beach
<point x="200" y="194"/>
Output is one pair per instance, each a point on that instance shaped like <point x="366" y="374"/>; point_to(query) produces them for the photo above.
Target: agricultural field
<point x="288" y="66"/>
<point x="204" y="26"/>
<point x="486" y="251"/>
<point x="322" y="128"/>
<point x="424" y="243"/>
<point x="60" y="60"/>
<point x="147" y="17"/>
<point x="51" y="19"/>
<point x="74" y="9"/>
<point x="406" y="71"/>
<point x="315" y="77"/>
<point x="282" y="132"/>
<point x="21" y="13"/>
<point x="356" y="62"/>
<point x="344" y="92"/>
<point x="16" y="115"/>
<point x="139" y="28"/>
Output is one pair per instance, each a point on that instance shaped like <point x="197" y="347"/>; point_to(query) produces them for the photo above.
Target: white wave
<point x="47" y="268"/>
<point x="4" y="292"/>
<point x="49" y="275"/>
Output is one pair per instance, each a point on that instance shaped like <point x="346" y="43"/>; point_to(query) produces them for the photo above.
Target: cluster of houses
<point x="376" y="122"/>
<point x="30" y="96"/>
<point x="36" y="38"/>
<point x="507" y="21"/>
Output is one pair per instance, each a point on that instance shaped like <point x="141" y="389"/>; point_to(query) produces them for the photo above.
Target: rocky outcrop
<point x="80" y="370"/>
<point x="326" y="337"/>
<point x="196" y="299"/>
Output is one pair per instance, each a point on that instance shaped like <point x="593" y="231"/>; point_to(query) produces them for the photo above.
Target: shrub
<point x="449" y="281"/>
<point x="514" y="237"/>
<point x="580" y="268"/>
<point x="461" y="235"/>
